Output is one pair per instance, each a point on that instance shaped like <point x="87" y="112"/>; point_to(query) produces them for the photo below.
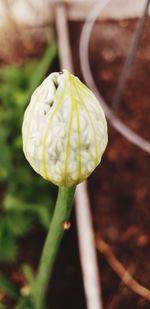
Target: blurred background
<point x="119" y="57"/>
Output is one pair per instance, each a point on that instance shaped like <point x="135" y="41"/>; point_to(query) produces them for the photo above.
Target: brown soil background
<point x="119" y="188"/>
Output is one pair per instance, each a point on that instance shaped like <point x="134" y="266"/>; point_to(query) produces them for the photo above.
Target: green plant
<point x="18" y="203"/>
<point x="64" y="136"/>
<point x="25" y="200"/>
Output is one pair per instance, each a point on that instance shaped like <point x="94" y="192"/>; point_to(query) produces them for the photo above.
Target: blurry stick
<point x="63" y="37"/>
<point x="87" y="249"/>
<point x="130" y="58"/>
<point x="119" y="269"/>
<point x="83" y="215"/>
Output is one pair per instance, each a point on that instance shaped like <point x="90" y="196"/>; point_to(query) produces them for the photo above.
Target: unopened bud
<point x="64" y="130"/>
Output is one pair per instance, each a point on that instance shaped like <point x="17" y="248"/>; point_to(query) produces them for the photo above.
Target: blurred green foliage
<point x="10" y="288"/>
<point x="25" y="199"/>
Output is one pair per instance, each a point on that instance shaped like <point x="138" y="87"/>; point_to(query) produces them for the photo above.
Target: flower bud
<point x="64" y="130"/>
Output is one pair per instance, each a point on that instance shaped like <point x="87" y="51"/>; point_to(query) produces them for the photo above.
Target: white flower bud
<point x="64" y="130"/>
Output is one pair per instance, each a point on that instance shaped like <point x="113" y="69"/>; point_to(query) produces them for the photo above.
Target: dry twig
<point x="119" y="269"/>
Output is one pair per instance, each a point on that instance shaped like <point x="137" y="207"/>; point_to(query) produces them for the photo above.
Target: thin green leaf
<point x="28" y="273"/>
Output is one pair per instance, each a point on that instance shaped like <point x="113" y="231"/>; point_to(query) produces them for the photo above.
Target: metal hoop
<point x="87" y="74"/>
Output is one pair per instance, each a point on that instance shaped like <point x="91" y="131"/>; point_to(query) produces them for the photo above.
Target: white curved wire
<point x="87" y="74"/>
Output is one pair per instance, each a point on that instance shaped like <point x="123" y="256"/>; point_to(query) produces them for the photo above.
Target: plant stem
<point x="56" y="230"/>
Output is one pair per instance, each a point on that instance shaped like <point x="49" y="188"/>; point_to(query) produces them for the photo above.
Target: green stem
<point x="56" y="230"/>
